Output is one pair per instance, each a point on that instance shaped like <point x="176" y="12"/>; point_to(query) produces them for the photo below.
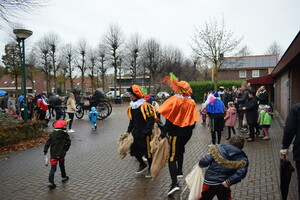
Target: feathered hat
<point x="137" y="91"/>
<point x="181" y="87"/>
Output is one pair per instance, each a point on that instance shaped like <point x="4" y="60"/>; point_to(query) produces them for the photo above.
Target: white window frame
<point x="241" y="75"/>
<point x="255" y="73"/>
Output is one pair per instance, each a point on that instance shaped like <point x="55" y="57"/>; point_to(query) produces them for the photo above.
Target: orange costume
<point x="181" y="115"/>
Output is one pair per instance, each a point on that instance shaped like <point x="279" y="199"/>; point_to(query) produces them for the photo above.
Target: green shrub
<point x="199" y="88"/>
<point x="18" y="132"/>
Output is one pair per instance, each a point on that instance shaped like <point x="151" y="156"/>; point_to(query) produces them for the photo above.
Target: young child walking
<point x="265" y="121"/>
<point x="93" y="118"/>
<point x="227" y="165"/>
<point x="230" y="118"/>
<point x="59" y="143"/>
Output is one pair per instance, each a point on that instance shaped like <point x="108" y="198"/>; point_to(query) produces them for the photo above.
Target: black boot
<point x="229" y="133"/>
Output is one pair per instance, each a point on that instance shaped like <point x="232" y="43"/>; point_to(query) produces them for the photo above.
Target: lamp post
<point x="21" y="35"/>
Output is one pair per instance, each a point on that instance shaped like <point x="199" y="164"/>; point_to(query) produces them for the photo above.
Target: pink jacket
<point x="230" y="117"/>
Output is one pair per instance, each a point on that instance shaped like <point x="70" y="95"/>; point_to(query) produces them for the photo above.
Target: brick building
<point x="247" y="67"/>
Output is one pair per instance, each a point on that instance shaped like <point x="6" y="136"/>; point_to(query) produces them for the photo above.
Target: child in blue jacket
<point x="93" y="118"/>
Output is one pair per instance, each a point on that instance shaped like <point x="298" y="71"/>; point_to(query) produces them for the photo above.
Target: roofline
<point x="292" y="51"/>
<point x="254" y="56"/>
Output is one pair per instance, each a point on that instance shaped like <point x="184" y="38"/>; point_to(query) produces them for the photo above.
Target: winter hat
<point x="137" y="91"/>
<point x="60" y="124"/>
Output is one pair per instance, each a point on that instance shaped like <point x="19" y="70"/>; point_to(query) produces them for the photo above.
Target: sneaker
<point x="250" y="140"/>
<point x="180" y="174"/>
<point x="71" y="131"/>
<point x="266" y="138"/>
<point x="51" y="186"/>
<point x="65" y="179"/>
<point x="141" y="169"/>
<point x="261" y="135"/>
<point x="174" y="188"/>
<point x="148" y="175"/>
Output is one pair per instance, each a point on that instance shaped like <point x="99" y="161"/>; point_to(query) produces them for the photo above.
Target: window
<point x="243" y="74"/>
<point x="255" y="73"/>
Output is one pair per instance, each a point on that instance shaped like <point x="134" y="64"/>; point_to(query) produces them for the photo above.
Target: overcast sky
<point x="172" y="22"/>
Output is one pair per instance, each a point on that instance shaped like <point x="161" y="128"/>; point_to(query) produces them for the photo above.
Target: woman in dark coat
<point x="251" y="113"/>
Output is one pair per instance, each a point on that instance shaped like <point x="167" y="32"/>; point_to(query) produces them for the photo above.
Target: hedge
<point x="199" y="88"/>
<point x="16" y="131"/>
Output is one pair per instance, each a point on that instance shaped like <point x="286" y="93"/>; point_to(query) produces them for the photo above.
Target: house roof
<point x="263" y="80"/>
<point x="291" y="53"/>
<point x="263" y="61"/>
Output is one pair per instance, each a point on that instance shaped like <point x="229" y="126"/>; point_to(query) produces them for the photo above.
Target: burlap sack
<point x="124" y="143"/>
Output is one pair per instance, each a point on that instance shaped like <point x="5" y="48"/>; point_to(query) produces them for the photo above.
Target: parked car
<point x="162" y="95"/>
<point x="125" y="95"/>
<point x="111" y="94"/>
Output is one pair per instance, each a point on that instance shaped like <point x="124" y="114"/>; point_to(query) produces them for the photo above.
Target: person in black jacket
<point x="291" y="131"/>
<point x="242" y="103"/>
<point x="251" y="109"/>
<point x="59" y="143"/>
<point x="142" y="116"/>
<point x="228" y="165"/>
<point x="262" y="95"/>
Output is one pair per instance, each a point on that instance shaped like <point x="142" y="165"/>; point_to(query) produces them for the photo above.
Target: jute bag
<point x="124" y="143"/>
<point x="194" y="181"/>
<point x="160" y="149"/>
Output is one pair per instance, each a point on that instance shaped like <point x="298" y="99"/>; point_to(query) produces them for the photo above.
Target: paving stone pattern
<point x="97" y="172"/>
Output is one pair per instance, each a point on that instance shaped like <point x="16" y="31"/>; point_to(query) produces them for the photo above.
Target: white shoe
<point x="144" y="159"/>
<point x="266" y="138"/>
<point x="71" y="131"/>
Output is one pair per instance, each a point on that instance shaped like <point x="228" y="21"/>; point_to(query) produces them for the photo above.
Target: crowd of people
<point x="251" y="109"/>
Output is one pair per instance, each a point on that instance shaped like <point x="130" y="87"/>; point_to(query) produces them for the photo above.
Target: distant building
<point x="126" y="81"/>
<point x="247" y="67"/>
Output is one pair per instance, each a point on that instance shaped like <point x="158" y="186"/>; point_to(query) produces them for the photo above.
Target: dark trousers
<point x="209" y="191"/>
<point x="229" y="131"/>
<point x="298" y="174"/>
<point x="71" y="116"/>
<point x="213" y="136"/>
<point x="251" y="128"/>
<point x="176" y="155"/>
<point x="53" y="170"/>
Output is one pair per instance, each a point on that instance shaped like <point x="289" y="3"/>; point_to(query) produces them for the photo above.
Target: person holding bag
<point x="181" y="115"/>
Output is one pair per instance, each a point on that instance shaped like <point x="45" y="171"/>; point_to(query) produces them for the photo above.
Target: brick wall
<point x="234" y="74"/>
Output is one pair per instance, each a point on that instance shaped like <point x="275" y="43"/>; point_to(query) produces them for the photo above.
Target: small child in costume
<point x="230" y="119"/>
<point x="265" y="121"/>
<point x="93" y="118"/>
<point x="59" y="143"/>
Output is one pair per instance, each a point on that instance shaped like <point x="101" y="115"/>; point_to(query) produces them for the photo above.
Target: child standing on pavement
<point x="59" y="143"/>
<point x="265" y="121"/>
<point x="227" y="165"/>
<point x="230" y="119"/>
<point x="93" y="118"/>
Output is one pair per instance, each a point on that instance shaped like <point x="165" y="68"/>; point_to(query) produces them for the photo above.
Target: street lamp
<point x="21" y="35"/>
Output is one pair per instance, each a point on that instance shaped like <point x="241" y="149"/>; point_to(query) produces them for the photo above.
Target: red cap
<point x="60" y="124"/>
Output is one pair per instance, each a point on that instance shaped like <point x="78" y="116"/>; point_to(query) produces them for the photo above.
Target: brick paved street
<point x="97" y="172"/>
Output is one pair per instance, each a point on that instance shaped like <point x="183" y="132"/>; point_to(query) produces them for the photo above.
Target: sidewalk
<point x="97" y="172"/>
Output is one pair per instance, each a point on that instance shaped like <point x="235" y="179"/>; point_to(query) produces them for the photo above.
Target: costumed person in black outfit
<point x="142" y="117"/>
<point x="181" y="115"/>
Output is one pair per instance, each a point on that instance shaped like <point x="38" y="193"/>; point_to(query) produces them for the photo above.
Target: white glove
<point x="284" y="151"/>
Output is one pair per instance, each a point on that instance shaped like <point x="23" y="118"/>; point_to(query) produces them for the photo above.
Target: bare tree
<point x="69" y="53"/>
<point x="113" y="40"/>
<point x="32" y="70"/>
<point x="43" y="50"/>
<point x="152" y="55"/>
<point x="133" y="48"/>
<point x="53" y="41"/>
<point x="92" y="56"/>
<point x="82" y="51"/>
<point x="212" y="41"/>
<point x="274" y="49"/>
<point x="12" y="9"/>
<point x="102" y="53"/>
